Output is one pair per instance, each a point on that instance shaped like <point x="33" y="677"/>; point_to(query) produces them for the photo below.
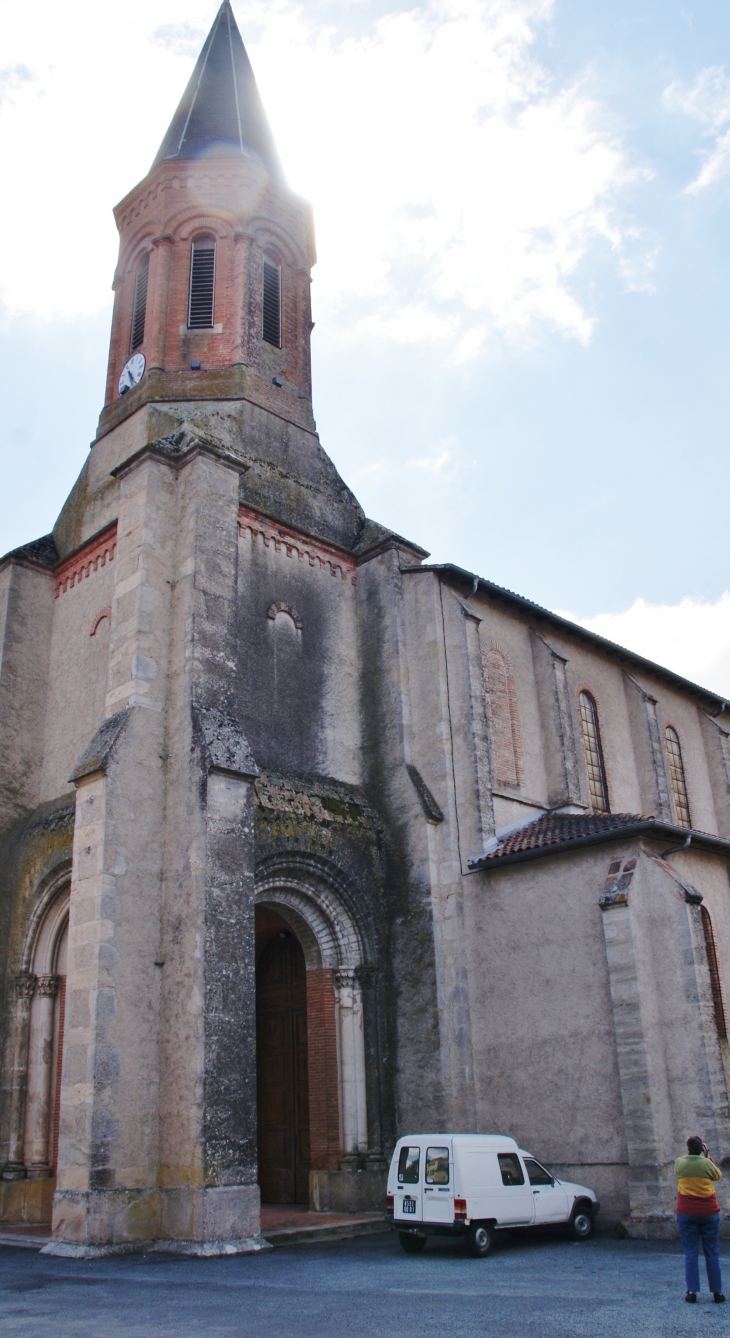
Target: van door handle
<point x="536" y="1191"/>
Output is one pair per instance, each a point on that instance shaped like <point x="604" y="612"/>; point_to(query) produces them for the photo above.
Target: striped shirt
<point x="695" y="1185"/>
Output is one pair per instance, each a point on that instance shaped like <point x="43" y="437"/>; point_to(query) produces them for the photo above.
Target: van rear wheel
<point x="411" y="1243"/>
<point x="480" y="1239"/>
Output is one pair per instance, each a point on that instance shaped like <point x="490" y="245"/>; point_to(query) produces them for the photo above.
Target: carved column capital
<point x="48" y="986"/>
<point x="346" y="977"/>
<point x="25" y="985"/>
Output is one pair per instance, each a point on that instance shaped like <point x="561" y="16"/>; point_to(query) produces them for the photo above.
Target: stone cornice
<point x="95" y="553"/>
<point x="294" y="543"/>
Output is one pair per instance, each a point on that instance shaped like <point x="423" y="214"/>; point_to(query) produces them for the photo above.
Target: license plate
<point x="409" y="1205"/>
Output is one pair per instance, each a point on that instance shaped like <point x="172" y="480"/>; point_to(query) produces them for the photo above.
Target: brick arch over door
<point x="334" y="953"/>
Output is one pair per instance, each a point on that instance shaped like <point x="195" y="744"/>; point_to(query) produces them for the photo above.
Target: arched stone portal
<point x="38" y="1039"/>
<point x="313" y="915"/>
<point x="282" y="1063"/>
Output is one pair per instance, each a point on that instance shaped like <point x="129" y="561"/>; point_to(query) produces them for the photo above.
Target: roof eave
<point x="700" y="840"/>
<point x="573" y="629"/>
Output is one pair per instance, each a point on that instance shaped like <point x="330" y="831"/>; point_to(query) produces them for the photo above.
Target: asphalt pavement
<point x="537" y="1286"/>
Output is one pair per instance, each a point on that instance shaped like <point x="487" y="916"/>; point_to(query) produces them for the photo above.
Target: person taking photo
<point x="698" y="1217"/>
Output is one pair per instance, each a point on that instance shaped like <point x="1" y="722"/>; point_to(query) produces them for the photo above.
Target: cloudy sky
<point x="522" y="300"/>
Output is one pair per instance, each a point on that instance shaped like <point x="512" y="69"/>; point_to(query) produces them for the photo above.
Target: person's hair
<point x="694" y="1146"/>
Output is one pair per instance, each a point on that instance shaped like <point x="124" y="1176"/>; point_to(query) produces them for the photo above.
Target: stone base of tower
<point x="89" y="1224"/>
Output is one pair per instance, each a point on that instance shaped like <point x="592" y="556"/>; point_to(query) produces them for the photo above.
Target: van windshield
<point x="408" y="1166"/>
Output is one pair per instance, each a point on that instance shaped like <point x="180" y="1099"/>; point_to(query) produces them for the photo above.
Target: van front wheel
<point x="411" y="1243"/>
<point x="581" y="1224"/>
<point x="480" y="1239"/>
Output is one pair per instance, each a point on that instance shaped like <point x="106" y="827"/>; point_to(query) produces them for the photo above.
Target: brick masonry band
<point x="293" y="543"/>
<point x="96" y="553"/>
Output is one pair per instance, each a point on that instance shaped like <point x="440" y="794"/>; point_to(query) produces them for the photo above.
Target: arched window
<point x="201" y="308"/>
<point x="139" y="310"/>
<point x="677" y="778"/>
<point x="272" y="303"/>
<point x="595" y="767"/>
<point x="715" y="983"/>
<point x="505" y="728"/>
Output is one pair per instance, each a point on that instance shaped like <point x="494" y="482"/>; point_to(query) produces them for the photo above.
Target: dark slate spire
<point x="221" y="114"/>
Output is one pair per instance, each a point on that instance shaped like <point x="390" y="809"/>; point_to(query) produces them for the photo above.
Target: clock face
<point x="133" y="373"/>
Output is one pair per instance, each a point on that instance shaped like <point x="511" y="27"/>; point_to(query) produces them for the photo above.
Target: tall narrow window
<point x="272" y="304"/>
<point x="715" y="984"/>
<point x="140" y="302"/>
<point x="202" y="284"/>
<point x="676" y="776"/>
<point x="597" y="787"/>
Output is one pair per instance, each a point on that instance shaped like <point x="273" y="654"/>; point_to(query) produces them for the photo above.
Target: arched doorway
<point x="282" y="1067"/>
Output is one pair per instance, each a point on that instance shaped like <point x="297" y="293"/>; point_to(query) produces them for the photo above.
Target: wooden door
<point x="283" y="1095"/>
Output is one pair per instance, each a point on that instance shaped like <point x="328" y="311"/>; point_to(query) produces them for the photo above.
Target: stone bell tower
<point x="212" y="282"/>
<point x="207" y="419"/>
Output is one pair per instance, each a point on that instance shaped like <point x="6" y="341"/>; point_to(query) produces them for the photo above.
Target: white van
<point x="472" y="1185"/>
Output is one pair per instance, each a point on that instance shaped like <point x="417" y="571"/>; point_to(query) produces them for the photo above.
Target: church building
<point x="305" y="842"/>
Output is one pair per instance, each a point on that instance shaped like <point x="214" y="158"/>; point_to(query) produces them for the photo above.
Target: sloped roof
<point x="575" y="630"/>
<point x="552" y="833"/>
<point x="38" y="553"/>
<point x="221" y="114"/>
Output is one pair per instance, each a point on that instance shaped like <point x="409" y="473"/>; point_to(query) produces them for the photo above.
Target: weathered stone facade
<point x="235" y="713"/>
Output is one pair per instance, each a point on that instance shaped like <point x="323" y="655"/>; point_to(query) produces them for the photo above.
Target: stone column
<point x="107" y="1178"/>
<point x="556" y="717"/>
<point x="208" y="1168"/>
<point x="646" y="1190"/>
<point x="40" y="1066"/>
<point x="647" y="744"/>
<point x="24" y="990"/>
<point x="353" y="1104"/>
<point x="241" y="297"/>
<point x="157" y="313"/>
<point x="367" y="976"/>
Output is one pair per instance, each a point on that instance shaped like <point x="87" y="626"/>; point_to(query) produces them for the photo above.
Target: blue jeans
<point x="692" y="1230"/>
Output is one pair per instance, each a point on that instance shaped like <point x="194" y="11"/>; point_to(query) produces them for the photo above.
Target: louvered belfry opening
<point x="272" y="303"/>
<point x="202" y="284"/>
<point x="140" y="302"/>
<point x="715" y="982"/>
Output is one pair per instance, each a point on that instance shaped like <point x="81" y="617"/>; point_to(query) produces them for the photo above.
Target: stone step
<point x="29" y="1236"/>
<point x="314" y="1233"/>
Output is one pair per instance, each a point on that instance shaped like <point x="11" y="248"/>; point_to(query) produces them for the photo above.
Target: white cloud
<point x="707" y="100"/>
<point x="456" y="185"/>
<point x="456" y="188"/>
<point x="180" y="38"/>
<point x="11" y="79"/>
<point x="691" y="637"/>
<point x="432" y="464"/>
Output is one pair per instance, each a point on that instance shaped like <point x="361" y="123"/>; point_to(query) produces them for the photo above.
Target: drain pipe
<point x="475" y="587"/>
<point x="674" y="849"/>
<point x="715" y="715"/>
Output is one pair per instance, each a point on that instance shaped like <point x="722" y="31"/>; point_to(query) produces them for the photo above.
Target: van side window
<point x="509" y="1165"/>
<point x="437" y="1166"/>
<point x="537" y="1174"/>
<point x="408" y="1166"/>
